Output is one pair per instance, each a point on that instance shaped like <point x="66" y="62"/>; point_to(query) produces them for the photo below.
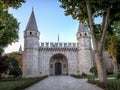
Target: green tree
<point x="14" y="54"/>
<point x="14" y="68"/>
<point x="86" y="11"/>
<point x="9" y="32"/>
<point x="3" y="65"/>
<point x="11" y="3"/>
<point x="8" y="24"/>
<point x="93" y="70"/>
<point x="15" y="71"/>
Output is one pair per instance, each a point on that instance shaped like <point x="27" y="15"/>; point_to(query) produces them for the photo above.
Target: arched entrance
<point x="58" y="65"/>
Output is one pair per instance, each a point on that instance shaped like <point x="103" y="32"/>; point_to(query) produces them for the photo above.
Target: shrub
<point x="113" y="85"/>
<point x="3" y="65"/>
<point x="84" y="74"/>
<point x="96" y="82"/>
<point x="18" y="83"/>
<point x="15" y="71"/>
<point x="110" y="85"/>
<point x="76" y="76"/>
<point x="93" y="70"/>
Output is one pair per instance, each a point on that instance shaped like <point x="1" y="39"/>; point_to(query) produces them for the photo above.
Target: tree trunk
<point x="98" y="54"/>
<point x="100" y="68"/>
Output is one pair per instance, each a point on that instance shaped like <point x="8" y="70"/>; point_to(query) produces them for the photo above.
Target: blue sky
<point x="50" y="20"/>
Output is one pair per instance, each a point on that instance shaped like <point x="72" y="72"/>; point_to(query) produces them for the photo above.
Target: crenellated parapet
<point x="58" y="46"/>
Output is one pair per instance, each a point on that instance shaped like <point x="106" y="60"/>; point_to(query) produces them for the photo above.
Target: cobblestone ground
<point x="63" y="83"/>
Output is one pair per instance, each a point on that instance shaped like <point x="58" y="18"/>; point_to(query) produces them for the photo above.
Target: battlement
<point x="57" y="45"/>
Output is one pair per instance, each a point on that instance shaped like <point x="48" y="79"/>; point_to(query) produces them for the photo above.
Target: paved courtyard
<point x="63" y="83"/>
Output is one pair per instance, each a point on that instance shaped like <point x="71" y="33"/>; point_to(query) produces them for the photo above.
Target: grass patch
<point x="18" y="83"/>
<point x="90" y="76"/>
<point x="96" y="82"/>
<point x="113" y="84"/>
<point x="84" y="76"/>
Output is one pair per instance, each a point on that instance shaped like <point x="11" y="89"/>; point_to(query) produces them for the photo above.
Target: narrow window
<point x="30" y="33"/>
<point x="80" y="34"/>
<point x="85" y="34"/>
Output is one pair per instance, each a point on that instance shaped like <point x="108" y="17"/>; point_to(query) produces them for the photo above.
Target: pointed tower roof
<point x="82" y="28"/>
<point x="32" y="25"/>
<point x="20" y="49"/>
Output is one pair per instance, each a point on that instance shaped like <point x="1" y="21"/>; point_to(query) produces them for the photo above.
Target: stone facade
<point x="56" y="58"/>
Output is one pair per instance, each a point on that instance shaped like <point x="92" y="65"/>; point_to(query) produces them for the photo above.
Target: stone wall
<point x="45" y="54"/>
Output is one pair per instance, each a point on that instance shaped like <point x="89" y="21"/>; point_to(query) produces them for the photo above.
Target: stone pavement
<point x="63" y="83"/>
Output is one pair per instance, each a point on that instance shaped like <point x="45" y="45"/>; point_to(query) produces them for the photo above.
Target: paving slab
<point x="63" y="83"/>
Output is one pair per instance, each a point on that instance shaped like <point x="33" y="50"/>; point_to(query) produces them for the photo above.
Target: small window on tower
<point x="35" y="33"/>
<point x="30" y="33"/>
<point x="80" y="34"/>
<point x="85" y="34"/>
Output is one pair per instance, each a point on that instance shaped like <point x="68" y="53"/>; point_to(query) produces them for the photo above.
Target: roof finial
<point x="58" y="38"/>
<point x="32" y="8"/>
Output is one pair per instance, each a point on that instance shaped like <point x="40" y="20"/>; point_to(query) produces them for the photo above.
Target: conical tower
<point x="20" y="49"/>
<point x="31" y="46"/>
<point x="84" y="49"/>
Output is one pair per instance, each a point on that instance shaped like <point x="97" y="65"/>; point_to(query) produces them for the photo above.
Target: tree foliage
<point x="15" y="71"/>
<point x="14" y="54"/>
<point x="14" y="68"/>
<point x="78" y="10"/>
<point x="9" y="30"/>
<point x="3" y="65"/>
<point x="10" y="64"/>
<point x="8" y="24"/>
<point x="11" y="3"/>
<point x="93" y="70"/>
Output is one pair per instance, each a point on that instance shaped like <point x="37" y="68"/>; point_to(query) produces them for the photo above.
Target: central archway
<point x="58" y="65"/>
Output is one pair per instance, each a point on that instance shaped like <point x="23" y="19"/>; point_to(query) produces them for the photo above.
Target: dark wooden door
<point x="58" y="68"/>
